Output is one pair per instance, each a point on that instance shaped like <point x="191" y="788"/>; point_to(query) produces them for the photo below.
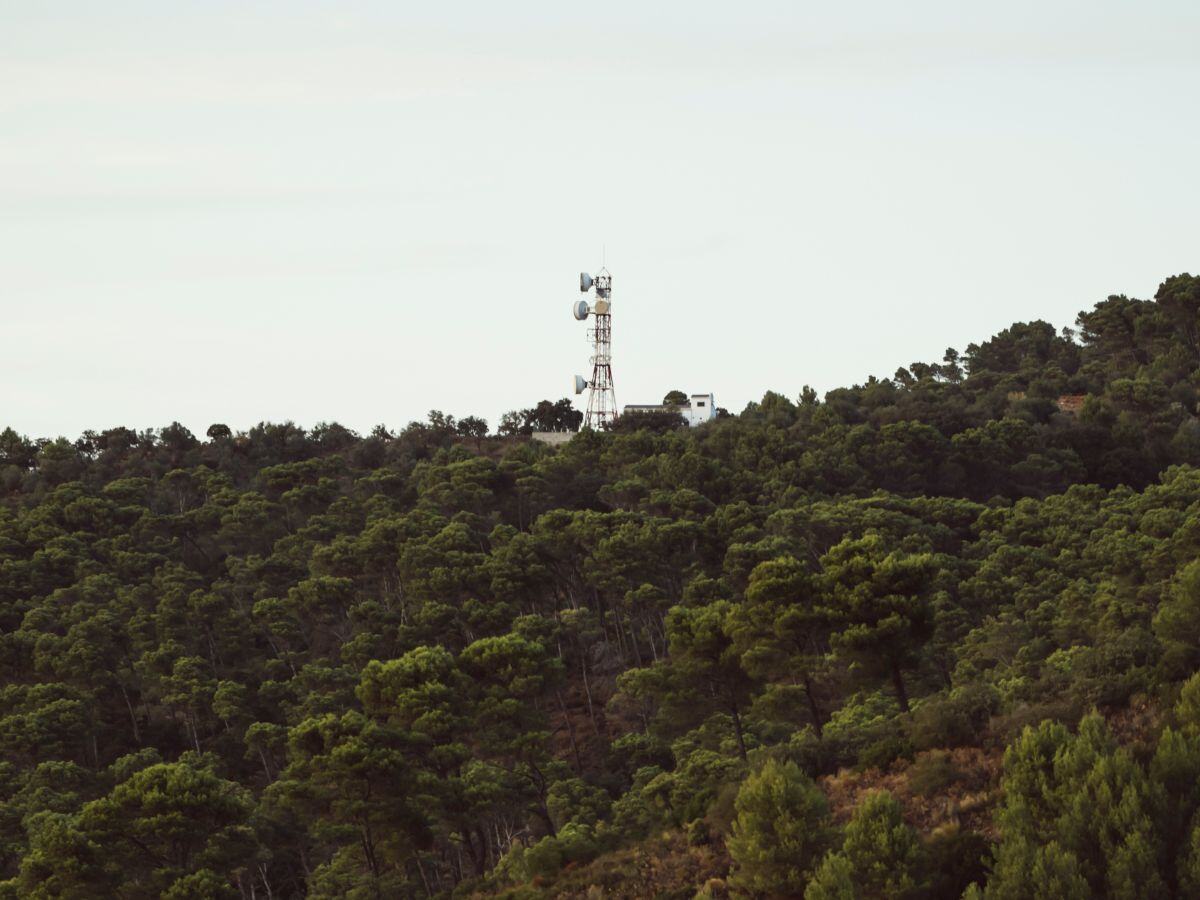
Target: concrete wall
<point x="701" y="408"/>
<point x="553" y="438"/>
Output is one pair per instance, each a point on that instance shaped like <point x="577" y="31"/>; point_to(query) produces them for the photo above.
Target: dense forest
<point x="935" y="635"/>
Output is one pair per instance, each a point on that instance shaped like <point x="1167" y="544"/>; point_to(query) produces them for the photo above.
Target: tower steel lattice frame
<point x="602" y="396"/>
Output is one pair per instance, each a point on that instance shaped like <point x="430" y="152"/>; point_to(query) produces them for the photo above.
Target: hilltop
<point x="930" y="634"/>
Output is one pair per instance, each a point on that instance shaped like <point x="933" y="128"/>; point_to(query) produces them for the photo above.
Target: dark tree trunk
<point x="476" y="856"/>
<point x="813" y="709"/>
<point x="368" y="845"/>
<point x="898" y="683"/>
<point x="587" y="691"/>
<point x="737" y="729"/>
<point x="562" y="705"/>
<point x="137" y="734"/>
<point x="485" y="852"/>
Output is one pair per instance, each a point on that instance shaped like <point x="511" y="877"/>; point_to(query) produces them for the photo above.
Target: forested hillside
<point x="930" y="635"/>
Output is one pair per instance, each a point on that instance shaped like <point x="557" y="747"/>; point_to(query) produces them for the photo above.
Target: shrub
<point x="573" y="844"/>
<point x="953" y="720"/>
<point x="863" y="720"/>
<point x="932" y="773"/>
<point x="574" y="800"/>
<point x="883" y="753"/>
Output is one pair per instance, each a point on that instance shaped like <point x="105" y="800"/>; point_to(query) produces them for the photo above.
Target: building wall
<point x="700" y="408"/>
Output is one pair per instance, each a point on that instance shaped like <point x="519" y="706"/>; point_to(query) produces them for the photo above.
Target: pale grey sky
<point x="218" y="211"/>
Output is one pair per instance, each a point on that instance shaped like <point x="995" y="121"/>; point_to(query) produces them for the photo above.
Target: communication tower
<point x="602" y="399"/>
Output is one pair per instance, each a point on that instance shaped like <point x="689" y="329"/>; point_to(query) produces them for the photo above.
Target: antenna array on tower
<point x="602" y="398"/>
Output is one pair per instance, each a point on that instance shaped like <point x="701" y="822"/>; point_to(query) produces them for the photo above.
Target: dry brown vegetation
<point x="938" y="789"/>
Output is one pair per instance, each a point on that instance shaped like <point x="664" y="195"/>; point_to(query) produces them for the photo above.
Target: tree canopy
<point x="928" y="634"/>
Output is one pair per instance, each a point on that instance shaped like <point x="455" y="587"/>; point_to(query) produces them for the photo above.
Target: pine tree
<point x="781" y="828"/>
<point x="833" y="880"/>
<point x="881" y="855"/>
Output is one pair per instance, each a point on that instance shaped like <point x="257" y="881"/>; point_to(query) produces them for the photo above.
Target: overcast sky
<point x="358" y="212"/>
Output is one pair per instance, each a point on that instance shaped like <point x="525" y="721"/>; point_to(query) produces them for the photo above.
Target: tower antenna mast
<point x="602" y="398"/>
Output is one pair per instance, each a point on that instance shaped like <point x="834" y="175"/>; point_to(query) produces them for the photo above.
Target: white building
<point x="699" y="408"/>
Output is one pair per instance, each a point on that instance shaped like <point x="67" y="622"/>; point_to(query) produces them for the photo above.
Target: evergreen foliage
<point x="880" y="856"/>
<point x="288" y="662"/>
<point x="781" y="828"/>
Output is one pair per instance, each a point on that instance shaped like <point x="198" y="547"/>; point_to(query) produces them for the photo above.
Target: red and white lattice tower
<point x="602" y="398"/>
